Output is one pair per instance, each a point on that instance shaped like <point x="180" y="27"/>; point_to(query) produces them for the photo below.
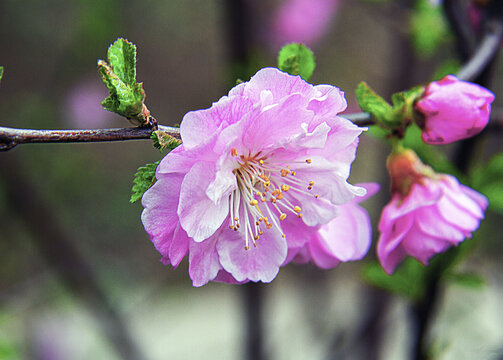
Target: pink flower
<point x="303" y="21"/>
<point x="345" y="238"/>
<point x="453" y="110"/>
<point x="258" y="172"/>
<point x="428" y="212"/>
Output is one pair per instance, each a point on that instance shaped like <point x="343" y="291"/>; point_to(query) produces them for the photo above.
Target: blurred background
<point x="79" y="278"/>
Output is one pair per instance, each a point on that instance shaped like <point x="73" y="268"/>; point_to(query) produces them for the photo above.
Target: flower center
<point x="261" y="195"/>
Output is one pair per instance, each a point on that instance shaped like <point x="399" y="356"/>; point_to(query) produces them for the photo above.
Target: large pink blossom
<point x="428" y="212"/>
<point x="257" y="173"/>
<point x="346" y="238"/>
<point x="453" y="110"/>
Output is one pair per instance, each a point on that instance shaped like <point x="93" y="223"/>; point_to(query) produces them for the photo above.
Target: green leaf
<point x="372" y="103"/>
<point x="144" y="179"/>
<point x="468" y="280"/>
<point x="409" y="280"/>
<point x="487" y="180"/>
<point x="119" y="75"/>
<point x="297" y="59"/>
<point x="1" y="72"/>
<point x="164" y="141"/>
<point x="428" y="28"/>
<point x="446" y="68"/>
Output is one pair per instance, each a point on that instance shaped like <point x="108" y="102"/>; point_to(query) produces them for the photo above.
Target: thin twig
<point x="10" y="137"/>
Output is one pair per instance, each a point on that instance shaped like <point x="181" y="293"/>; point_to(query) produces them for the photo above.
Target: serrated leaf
<point x="144" y="179"/>
<point x="297" y="59"/>
<point x="487" y="180"/>
<point x="122" y="58"/>
<point x="119" y="75"/>
<point x="164" y="141"/>
<point x="372" y="103"/>
<point x="428" y="28"/>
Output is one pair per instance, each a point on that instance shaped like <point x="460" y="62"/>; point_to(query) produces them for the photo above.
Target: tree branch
<point x="10" y="137"/>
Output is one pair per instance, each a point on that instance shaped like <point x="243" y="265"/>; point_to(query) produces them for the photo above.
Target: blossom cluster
<point x="258" y="182"/>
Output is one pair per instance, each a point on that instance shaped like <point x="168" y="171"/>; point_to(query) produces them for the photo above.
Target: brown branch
<point x="10" y="137"/>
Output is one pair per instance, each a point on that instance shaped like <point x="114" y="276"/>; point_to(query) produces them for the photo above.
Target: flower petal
<point x="203" y="261"/>
<point x="159" y="216"/>
<point x="199" y="216"/>
<point x="259" y="263"/>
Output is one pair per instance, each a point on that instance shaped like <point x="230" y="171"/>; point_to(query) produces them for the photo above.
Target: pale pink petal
<point x="389" y="249"/>
<point x="179" y="246"/>
<point x="203" y="261"/>
<point x="159" y="216"/>
<point x="259" y="263"/>
<point x="320" y="256"/>
<point x="199" y="216"/>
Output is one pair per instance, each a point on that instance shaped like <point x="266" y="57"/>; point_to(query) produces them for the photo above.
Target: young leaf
<point x="297" y="59"/>
<point x="119" y="75"/>
<point x="144" y="179"/>
<point x="372" y="103"/>
<point x="163" y="141"/>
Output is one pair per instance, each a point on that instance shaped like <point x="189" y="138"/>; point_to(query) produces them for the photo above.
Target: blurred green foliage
<point x="487" y="179"/>
<point x="428" y="28"/>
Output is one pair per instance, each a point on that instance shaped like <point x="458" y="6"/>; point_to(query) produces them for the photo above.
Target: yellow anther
<point x="238" y="226"/>
<point x="316" y="196"/>
<point x="282" y="216"/>
<point x="309" y="188"/>
<point x="293" y="173"/>
<point x="311" y="183"/>
<point x="256" y="237"/>
<point x="280" y="196"/>
<point x="263" y="200"/>
<point x="254" y="244"/>
<point x="309" y="161"/>
<point x="231" y="227"/>
<point x="285" y="187"/>
<point x="299" y="215"/>
<point x="253" y="202"/>
<point x="275" y="192"/>
<point x="261" y="162"/>
<point x="258" y="193"/>
<point x="247" y="247"/>
<point x="273" y="200"/>
<point x="265" y="190"/>
<point x="283" y="236"/>
<point x="260" y="232"/>
<point x="234" y="152"/>
<point x="269" y="225"/>
<point x="297" y="209"/>
<point x="235" y="229"/>
<point x="268" y="183"/>
<point x="236" y="218"/>
<point x="257" y="223"/>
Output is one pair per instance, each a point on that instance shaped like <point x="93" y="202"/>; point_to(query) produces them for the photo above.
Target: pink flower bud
<point x="428" y="212"/>
<point x="453" y="110"/>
